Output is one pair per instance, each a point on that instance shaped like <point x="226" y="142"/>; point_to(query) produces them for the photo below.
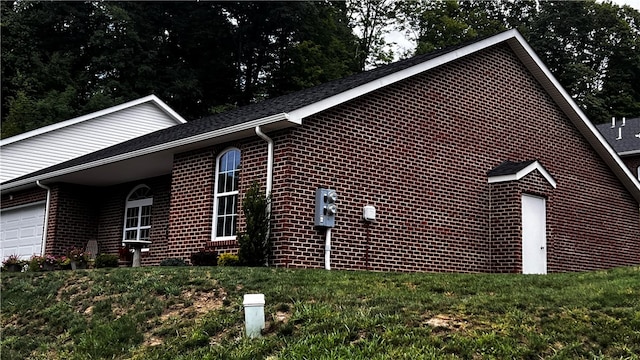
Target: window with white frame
<point x="226" y="195"/>
<point x="137" y="215"/>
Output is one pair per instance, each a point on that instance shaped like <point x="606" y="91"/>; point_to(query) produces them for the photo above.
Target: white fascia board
<point x="169" y="111"/>
<point x="250" y="125"/>
<point x="150" y="98"/>
<point x="629" y="153"/>
<point x="524" y="172"/>
<point x="299" y="114"/>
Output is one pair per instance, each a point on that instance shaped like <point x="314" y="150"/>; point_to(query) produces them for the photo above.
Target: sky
<point x="633" y="3"/>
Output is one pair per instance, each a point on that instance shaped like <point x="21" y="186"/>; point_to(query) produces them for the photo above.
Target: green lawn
<point x="197" y="313"/>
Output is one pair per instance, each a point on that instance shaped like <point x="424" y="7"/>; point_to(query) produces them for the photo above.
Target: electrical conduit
<point x="327" y="249"/>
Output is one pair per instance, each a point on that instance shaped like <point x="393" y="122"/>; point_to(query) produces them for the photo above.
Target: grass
<point x="197" y="313"/>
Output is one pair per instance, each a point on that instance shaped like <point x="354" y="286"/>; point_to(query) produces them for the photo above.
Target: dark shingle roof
<point x="281" y="104"/>
<point x="630" y="132"/>
<point x="509" y="168"/>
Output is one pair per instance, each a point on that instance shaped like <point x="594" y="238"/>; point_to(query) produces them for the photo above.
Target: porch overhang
<point x="148" y="162"/>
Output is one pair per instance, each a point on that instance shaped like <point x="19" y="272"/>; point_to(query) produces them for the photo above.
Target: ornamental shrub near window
<point x="255" y="241"/>
<point x="228" y="259"/>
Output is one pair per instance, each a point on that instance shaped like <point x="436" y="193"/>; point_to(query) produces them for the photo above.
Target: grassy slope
<point x="196" y="313"/>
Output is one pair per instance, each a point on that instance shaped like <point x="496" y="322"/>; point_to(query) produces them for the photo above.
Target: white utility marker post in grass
<point x="254" y="314"/>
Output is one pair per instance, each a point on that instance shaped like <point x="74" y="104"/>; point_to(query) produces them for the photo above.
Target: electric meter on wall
<point x="326" y="208"/>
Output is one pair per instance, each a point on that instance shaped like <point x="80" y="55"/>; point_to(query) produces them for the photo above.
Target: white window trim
<point x="216" y="195"/>
<point x="135" y="204"/>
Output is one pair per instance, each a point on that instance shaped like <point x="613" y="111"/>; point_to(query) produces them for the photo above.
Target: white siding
<point x="44" y="150"/>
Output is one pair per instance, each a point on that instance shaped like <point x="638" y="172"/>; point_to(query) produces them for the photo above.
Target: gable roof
<point x="622" y="135"/>
<point x="510" y="171"/>
<point x="290" y="110"/>
<point x="59" y="125"/>
<point x="41" y="148"/>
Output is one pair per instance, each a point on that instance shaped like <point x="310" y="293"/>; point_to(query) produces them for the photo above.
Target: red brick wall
<point x="193" y="180"/>
<point x="633" y="162"/>
<point x="23" y="197"/>
<point x="419" y="151"/>
<point x="72" y="218"/>
<point x="111" y="217"/>
<point x="191" y="203"/>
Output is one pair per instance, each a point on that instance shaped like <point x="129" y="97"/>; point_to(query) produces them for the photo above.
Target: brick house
<point x="473" y="157"/>
<point x="21" y="221"/>
<point x="624" y="136"/>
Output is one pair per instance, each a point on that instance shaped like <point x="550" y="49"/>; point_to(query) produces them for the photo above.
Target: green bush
<point x="173" y="262"/>
<point x="228" y="259"/>
<point x="204" y="258"/>
<point x="106" y="261"/>
<point x="254" y="244"/>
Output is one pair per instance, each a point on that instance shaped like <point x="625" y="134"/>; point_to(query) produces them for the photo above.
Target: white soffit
<point x="524" y="172"/>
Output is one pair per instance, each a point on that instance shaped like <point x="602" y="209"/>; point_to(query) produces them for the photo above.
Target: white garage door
<point x="21" y="230"/>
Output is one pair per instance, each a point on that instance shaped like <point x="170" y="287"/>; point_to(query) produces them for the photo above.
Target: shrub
<point x="204" y="258"/>
<point x="106" y="261"/>
<point x="36" y="263"/>
<point x="173" y="262"/>
<point x="254" y="243"/>
<point x="228" y="259"/>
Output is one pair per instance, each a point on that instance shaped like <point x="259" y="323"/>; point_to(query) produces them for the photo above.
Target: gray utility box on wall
<point x="326" y="208"/>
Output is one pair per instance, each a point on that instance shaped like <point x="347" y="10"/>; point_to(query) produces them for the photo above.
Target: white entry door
<point x="21" y="231"/>
<point x="534" y="235"/>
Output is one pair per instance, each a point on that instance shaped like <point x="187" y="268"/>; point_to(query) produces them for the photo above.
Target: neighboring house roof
<point x="153" y="153"/>
<point x="623" y="135"/>
<point x="511" y="171"/>
<point x="41" y="148"/>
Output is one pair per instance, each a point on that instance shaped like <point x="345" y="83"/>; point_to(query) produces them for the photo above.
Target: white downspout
<point x="269" y="161"/>
<point x="269" y="185"/>
<point x="43" y="244"/>
<point x="327" y="249"/>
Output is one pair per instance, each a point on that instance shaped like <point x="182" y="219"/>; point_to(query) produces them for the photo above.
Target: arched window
<point x="137" y="215"/>
<point x="225" y="211"/>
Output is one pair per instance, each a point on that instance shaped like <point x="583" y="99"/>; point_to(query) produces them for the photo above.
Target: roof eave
<point x="629" y="153"/>
<point x="269" y="123"/>
<point x="306" y="111"/>
<point x="524" y="172"/>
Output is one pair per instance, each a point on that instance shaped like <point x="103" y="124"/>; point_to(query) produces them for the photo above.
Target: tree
<point x="591" y="48"/>
<point x="372" y="19"/>
<point x="61" y="60"/>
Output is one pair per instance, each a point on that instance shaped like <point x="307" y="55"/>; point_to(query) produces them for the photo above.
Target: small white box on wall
<point x="369" y="213"/>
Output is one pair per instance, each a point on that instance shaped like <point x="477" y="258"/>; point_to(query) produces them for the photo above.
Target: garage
<point x="21" y="230"/>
